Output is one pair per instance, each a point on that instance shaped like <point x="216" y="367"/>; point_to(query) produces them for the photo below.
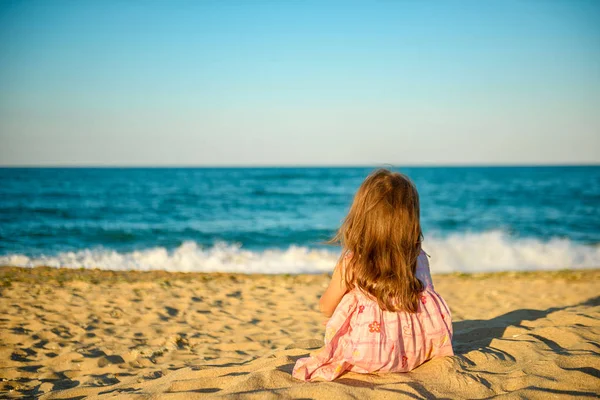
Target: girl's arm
<point x="335" y="291"/>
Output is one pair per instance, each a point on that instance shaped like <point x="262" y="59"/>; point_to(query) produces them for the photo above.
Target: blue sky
<point x="299" y="82"/>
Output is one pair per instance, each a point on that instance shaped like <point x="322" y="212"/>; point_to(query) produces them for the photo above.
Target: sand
<point x="78" y="333"/>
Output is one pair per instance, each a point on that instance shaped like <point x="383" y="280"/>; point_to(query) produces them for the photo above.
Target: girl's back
<point x="361" y="337"/>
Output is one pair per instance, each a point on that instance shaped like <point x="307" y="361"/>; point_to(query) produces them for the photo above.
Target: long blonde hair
<point x="382" y="233"/>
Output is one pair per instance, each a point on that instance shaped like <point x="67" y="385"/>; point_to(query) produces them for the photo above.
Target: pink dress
<point x="360" y="337"/>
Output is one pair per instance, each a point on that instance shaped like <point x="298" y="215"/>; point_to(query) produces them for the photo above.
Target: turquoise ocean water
<point x="274" y="220"/>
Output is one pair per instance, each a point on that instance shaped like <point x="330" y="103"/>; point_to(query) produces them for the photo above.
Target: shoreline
<point x="139" y="334"/>
<point x="97" y="275"/>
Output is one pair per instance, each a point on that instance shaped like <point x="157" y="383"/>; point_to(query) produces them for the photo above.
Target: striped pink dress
<point x="360" y="337"/>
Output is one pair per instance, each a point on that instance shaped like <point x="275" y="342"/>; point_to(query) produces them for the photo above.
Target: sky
<point x="228" y="83"/>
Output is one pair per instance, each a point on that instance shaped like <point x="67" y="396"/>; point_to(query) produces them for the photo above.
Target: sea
<point x="278" y="220"/>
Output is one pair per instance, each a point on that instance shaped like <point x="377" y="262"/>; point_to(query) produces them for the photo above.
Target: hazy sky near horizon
<point x="299" y="82"/>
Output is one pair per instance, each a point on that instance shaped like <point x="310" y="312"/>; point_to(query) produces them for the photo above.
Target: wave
<point x="472" y="252"/>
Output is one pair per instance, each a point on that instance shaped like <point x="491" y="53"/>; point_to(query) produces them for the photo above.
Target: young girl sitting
<point x="385" y="314"/>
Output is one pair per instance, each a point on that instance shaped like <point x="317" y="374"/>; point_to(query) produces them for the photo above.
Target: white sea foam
<point x="481" y="252"/>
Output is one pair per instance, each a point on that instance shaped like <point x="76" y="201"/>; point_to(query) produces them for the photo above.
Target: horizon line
<point x="290" y="166"/>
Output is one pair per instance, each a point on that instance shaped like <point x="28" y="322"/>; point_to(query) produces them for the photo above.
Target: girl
<point x="385" y="314"/>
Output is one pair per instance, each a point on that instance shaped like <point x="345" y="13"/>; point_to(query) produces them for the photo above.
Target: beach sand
<point x="68" y="333"/>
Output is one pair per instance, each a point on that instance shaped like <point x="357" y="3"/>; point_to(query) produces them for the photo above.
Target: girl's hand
<point x="335" y="291"/>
